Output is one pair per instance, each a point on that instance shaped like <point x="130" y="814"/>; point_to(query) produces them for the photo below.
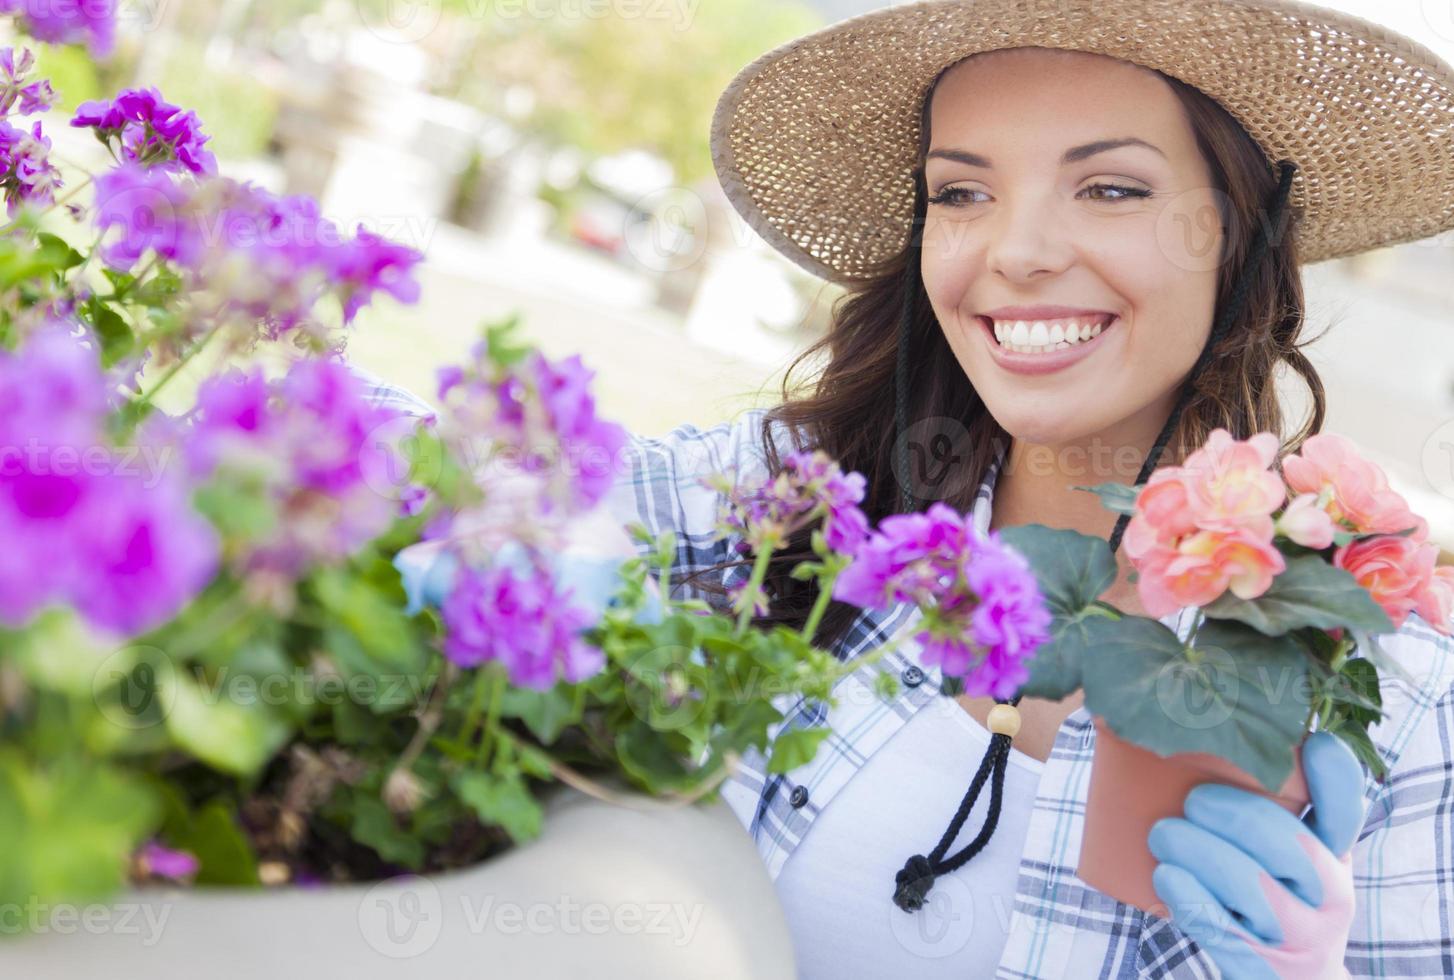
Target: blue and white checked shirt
<point x="1403" y="861"/>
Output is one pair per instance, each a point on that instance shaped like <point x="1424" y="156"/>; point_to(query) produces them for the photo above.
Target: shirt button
<point x="912" y="676"/>
<point x="799" y="797"/>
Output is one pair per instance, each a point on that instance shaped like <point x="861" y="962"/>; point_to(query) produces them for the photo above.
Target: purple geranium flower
<point x="92" y="22"/>
<point x="82" y="526"/>
<point x="26" y="172"/>
<point x="370" y="264"/>
<point x="520" y="620"/>
<point x="315" y="438"/>
<point x="983" y="611"/>
<point x="540" y="417"/>
<point x="149" y="131"/>
<point x="152" y="212"/>
<point x="808" y="485"/>
<point x="17" y="93"/>
<point x="266" y="259"/>
<point x="166" y="862"/>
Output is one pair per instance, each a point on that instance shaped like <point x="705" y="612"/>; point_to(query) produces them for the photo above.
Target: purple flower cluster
<point x="809" y="485"/>
<point x="983" y="611"/>
<point x="149" y="131"/>
<point x="167" y="862"/>
<point x="521" y="620"/>
<point x="26" y="173"/>
<point x="112" y="534"/>
<point x="265" y="257"/>
<point x="19" y="95"/>
<point x="541" y="417"/>
<point x="316" y="440"/>
<point x="92" y="22"/>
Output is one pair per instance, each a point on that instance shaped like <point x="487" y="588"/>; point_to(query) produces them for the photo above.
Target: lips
<point x="1043" y="363"/>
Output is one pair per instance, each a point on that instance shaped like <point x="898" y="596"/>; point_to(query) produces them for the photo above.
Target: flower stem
<point x="820" y="605"/>
<point x="145" y="402"/>
<point x="754" y="586"/>
<point x="490" y="735"/>
<point x="1325" y="706"/>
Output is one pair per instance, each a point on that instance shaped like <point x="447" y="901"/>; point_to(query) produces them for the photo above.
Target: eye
<point x="948" y="196"/>
<point x="1126" y="192"/>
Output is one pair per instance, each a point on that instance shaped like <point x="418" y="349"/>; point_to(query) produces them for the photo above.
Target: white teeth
<point x="1036" y="336"/>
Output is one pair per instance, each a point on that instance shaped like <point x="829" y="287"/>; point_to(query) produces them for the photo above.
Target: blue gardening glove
<point x="1264" y="893"/>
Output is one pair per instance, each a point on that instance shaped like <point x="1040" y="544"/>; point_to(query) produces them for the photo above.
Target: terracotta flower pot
<point x="1130" y="789"/>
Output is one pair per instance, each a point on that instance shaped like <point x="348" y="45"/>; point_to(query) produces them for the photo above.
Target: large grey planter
<point x="604" y="892"/>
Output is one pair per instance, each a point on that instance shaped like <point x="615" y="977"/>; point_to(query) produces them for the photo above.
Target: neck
<point x="1036" y="484"/>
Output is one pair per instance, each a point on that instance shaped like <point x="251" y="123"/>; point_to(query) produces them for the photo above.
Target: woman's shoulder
<point x="733" y="445"/>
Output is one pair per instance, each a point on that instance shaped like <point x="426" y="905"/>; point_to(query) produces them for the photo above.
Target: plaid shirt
<point x="1403" y="861"/>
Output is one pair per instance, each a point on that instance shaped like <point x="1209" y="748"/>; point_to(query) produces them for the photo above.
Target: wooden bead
<point x="1004" y="719"/>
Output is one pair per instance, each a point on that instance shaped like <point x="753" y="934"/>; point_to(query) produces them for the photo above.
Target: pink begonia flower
<point x="1202" y="566"/>
<point x="1398" y="572"/>
<point x="1230" y="484"/>
<point x="1437" y="602"/>
<point x="1307" y="524"/>
<point x="1354" y="490"/>
<point x="1205" y="527"/>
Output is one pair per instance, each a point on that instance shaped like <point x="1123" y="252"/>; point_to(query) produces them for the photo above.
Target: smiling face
<point x="1024" y="212"/>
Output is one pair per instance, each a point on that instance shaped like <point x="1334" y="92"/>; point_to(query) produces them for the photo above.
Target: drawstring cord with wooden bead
<point x="912" y="884"/>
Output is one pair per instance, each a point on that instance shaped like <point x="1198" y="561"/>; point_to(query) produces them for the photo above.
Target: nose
<point x="1025" y="241"/>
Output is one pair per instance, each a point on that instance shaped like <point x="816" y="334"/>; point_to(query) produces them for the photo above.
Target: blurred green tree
<point x="610" y="83"/>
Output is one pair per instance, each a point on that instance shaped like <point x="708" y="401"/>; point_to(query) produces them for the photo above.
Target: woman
<point x="977" y="173"/>
<point x="1031" y="203"/>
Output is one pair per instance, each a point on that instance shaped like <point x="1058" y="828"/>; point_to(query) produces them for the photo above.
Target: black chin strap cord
<point x="913" y="882"/>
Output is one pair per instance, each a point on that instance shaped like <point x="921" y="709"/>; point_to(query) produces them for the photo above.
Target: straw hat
<point x="814" y="143"/>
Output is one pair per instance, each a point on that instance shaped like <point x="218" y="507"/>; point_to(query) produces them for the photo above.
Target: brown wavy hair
<point x="847" y="410"/>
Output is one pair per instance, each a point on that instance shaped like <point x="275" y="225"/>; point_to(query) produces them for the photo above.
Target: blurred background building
<point x="550" y="157"/>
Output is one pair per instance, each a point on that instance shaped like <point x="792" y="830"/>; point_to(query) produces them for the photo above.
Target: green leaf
<point x="1240" y="695"/>
<point x="69" y="829"/>
<point x="1073" y="569"/>
<point x="1116" y="497"/>
<point x="374" y="826"/>
<point x="228" y="736"/>
<point x="1056" y="665"/>
<point x="545" y="713"/>
<point x="1309" y="592"/>
<point x="61" y="253"/>
<point x="796" y="748"/>
<point x="647" y="756"/>
<point x="223" y="854"/>
<point x="376" y="620"/>
<point x="115" y="334"/>
<point x="1358" y="740"/>
<point x="533" y="761"/>
<point x="750" y="726"/>
<point x="1356" y="687"/>
<point x="1341" y="537"/>
<point x="503" y="801"/>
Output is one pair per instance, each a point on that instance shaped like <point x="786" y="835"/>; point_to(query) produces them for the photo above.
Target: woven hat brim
<point x="814" y="143"/>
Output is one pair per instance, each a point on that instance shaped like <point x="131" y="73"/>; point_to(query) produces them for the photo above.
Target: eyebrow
<point x="1072" y="155"/>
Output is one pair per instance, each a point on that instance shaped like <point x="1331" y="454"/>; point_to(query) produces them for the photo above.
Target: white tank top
<point x="837" y="886"/>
